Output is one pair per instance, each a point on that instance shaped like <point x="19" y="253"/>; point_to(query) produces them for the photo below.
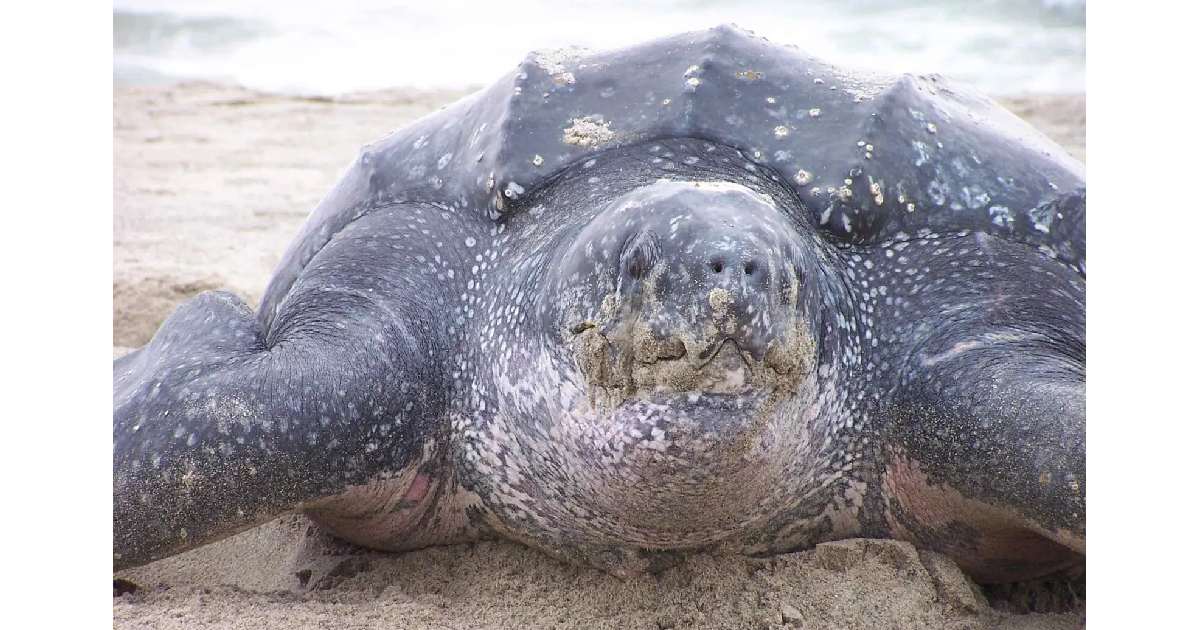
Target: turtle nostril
<point x="717" y="266"/>
<point x="749" y="268"/>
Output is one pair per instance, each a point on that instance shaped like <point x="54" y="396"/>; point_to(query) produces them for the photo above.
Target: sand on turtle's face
<point x="210" y="185"/>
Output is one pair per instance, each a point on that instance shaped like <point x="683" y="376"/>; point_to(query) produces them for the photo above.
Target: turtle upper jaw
<point x="722" y="368"/>
<point x="685" y="287"/>
<point x="627" y="358"/>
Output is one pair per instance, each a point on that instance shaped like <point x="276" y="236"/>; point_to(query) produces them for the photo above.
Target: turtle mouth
<point x="625" y="365"/>
<point x="722" y="369"/>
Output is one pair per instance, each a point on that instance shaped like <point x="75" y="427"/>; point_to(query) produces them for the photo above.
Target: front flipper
<point x="985" y="433"/>
<point x="219" y="425"/>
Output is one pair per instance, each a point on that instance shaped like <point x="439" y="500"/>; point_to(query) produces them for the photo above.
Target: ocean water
<point x="328" y="48"/>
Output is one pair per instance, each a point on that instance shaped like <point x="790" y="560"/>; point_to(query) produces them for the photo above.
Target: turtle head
<point x="688" y="316"/>
<point x="689" y="288"/>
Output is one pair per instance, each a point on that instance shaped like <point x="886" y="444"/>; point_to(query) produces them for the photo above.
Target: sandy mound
<point x="211" y="183"/>
<point x="288" y="574"/>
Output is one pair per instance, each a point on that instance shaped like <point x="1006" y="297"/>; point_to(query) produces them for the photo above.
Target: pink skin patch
<point x="417" y="491"/>
<point x="381" y="514"/>
<point x="1009" y="547"/>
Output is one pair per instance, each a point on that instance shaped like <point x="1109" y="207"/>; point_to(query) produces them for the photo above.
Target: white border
<point x="57" y="268"/>
<point x="1143" y="311"/>
<point x="1142" y="314"/>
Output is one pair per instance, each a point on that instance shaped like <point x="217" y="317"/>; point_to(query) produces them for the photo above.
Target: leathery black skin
<point x="704" y="293"/>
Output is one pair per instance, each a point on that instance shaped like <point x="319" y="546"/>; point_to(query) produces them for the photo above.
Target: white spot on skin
<point x="1001" y="216"/>
<point x="814" y="112"/>
<point x="877" y="193"/>
<point x="513" y="190"/>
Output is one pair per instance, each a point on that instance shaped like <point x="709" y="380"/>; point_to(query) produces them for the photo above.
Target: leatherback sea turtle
<point x="702" y="293"/>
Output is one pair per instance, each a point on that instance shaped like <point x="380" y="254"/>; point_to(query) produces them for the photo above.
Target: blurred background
<point x="329" y="48"/>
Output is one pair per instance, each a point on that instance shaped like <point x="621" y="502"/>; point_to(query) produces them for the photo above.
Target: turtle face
<point x="684" y="312"/>
<point x="680" y="289"/>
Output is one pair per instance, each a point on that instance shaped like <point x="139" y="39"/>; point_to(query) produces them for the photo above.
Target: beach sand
<point x="210" y="184"/>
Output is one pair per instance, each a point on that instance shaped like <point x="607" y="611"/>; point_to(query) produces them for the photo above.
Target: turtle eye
<point x="640" y="254"/>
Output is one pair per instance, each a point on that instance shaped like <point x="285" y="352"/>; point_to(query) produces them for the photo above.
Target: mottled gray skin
<point x="704" y="293"/>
